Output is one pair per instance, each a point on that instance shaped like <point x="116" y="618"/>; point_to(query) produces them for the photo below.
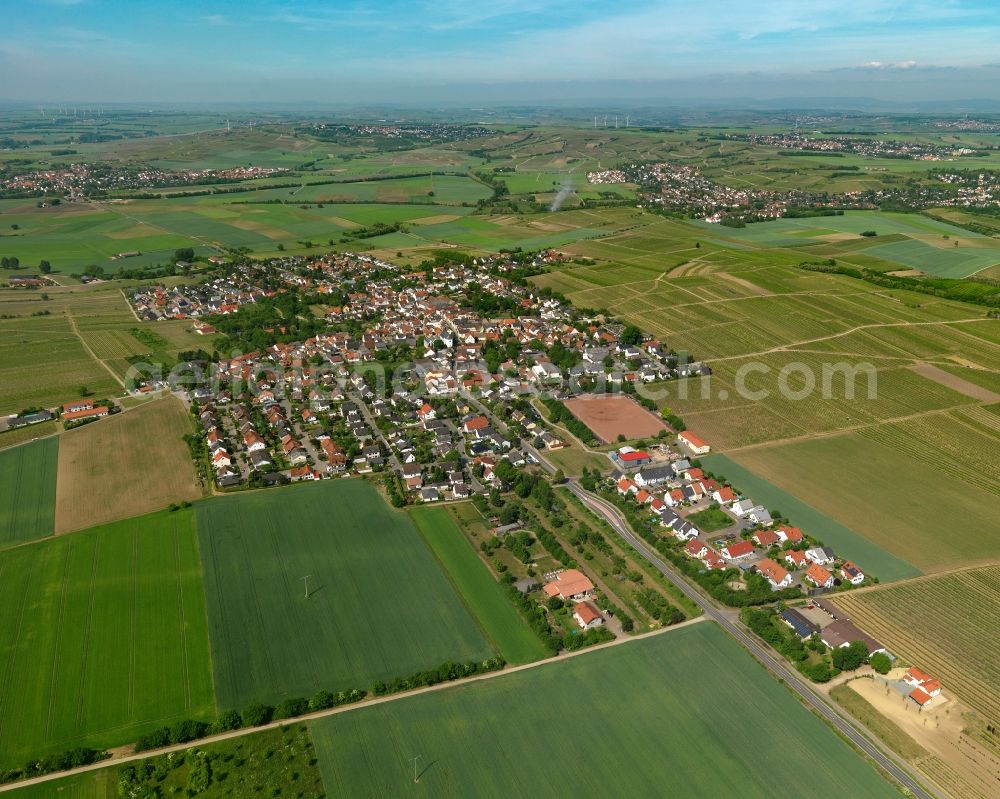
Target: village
<point x="679" y="187"/>
<point x="394" y="379"/>
<point x="427" y="379"/>
<point x="80" y="179"/>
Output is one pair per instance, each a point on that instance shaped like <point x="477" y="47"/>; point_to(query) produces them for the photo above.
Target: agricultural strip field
<point x="946" y="625"/>
<point x="845" y="541"/>
<point x="105" y="637"/>
<point x="28" y="496"/>
<point x="640" y="706"/>
<point x="125" y="465"/>
<point x="900" y="486"/>
<point x="379" y="605"/>
<point x="474" y="583"/>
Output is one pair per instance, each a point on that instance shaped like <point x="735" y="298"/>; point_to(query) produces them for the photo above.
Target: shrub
<point x="881" y="663"/>
<point x="256" y="715"/>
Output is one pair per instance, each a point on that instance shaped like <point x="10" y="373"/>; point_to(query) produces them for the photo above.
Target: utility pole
<point x="416" y="777"/>
<point x="306" y="581"/>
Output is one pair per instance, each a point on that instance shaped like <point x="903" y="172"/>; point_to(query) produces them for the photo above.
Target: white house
<point x="820" y="555"/>
<point x="743" y="507"/>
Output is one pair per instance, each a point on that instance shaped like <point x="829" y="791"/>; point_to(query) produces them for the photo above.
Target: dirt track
<point x="954" y="382"/>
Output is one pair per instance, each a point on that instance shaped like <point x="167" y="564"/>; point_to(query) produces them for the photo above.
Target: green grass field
<point x="104" y="637"/>
<point x="28" y="477"/>
<point x="883" y="563"/>
<point x="626" y="721"/>
<point x="379" y="605"/>
<point x="474" y="583"/>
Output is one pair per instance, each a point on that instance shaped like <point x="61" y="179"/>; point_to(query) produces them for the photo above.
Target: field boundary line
<point x="872" y="326"/>
<point x="454" y="585"/>
<point x="180" y="612"/>
<point x="55" y="649"/>
<point x="90" y="352"/>
<point x="778" y="442"/>
<point x="129" y="305"/>
<point x="86" y="637"/>
<point x="907" y="581"/>
<point x="116" y="760"/>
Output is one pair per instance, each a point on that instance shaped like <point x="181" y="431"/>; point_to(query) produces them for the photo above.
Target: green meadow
<point x="379" y="606"/>
<point x="474" y="583"/>
<point x="104" y="638"/>
<point x="635" y="720"/>
<point x="28" y="499"/>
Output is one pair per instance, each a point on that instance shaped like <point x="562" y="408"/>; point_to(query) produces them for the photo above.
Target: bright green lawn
<point x="684" y="714"/>
<point x="476" y="586"/>
<point x="28" y="491"/>
<point x="710" y="520"/>
<point x="103" y="636"/>
<point x="379" y="605"/>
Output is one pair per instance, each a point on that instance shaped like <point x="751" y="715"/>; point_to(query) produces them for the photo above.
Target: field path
<point x="90" y="352"/>
<point x="840" y="431"/>
<point x="954" y="382"/>
<point x="121" y="755"/>
<point x="131" y="309"/>
<point x="117" y="209"/>
<point x="873" y="326"/>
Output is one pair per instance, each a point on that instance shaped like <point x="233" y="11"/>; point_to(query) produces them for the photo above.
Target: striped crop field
<point x="946" y="625"/>
<point x="379" y="606"/>
<point x="104" y="637"/>
<point x="28" y="496"/>
<point x="555" y="730"/>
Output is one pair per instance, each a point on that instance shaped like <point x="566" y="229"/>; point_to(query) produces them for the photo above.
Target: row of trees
<point x="13" y="262"/>
<point x="258" y="714"/>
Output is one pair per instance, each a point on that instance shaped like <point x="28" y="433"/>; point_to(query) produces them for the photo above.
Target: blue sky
<point x="427" y="50"/>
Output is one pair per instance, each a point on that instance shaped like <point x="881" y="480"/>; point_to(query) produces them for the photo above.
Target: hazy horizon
<point x="512" y="51"/>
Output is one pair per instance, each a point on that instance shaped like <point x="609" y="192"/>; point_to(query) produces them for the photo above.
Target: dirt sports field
<point x="610" y="417"/>
<point x="133" y="463"/>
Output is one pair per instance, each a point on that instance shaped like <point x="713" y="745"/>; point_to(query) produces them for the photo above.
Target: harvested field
<point x="610" y="417"/>
<point x="954" y="382"/>
<point x="126" y="465"/>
